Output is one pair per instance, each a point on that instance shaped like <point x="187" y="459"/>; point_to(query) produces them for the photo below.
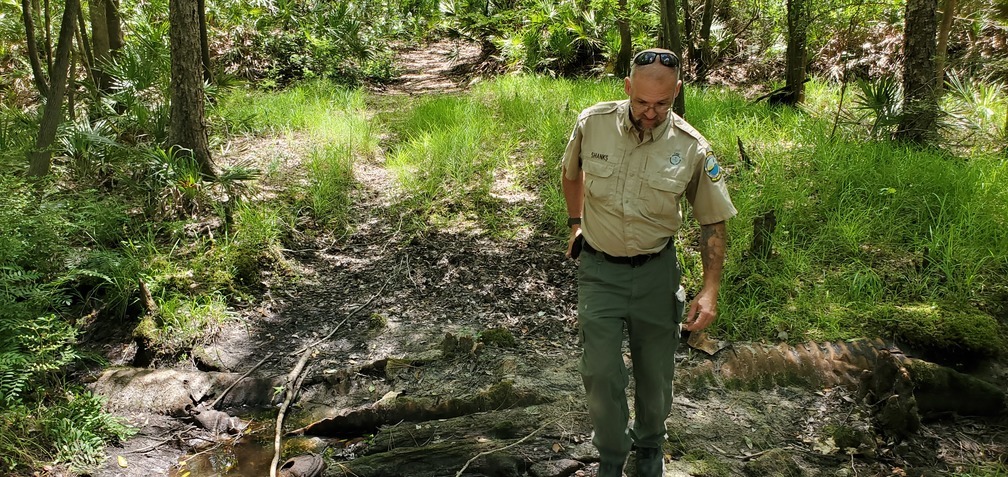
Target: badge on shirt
<point x="712" y="167"/>
<point x="675" y="159"/>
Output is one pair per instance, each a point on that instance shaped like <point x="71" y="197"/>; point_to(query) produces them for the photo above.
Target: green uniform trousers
<point x="642" y="298"/>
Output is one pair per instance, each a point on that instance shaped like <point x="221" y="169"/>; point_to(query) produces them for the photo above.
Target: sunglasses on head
<point x="648" y="57"/>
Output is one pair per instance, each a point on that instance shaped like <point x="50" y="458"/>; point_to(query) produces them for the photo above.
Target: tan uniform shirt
<point x="633" y="187"/>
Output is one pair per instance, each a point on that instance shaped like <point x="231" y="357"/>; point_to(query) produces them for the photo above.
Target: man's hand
<point x="575" y="231"/>
<point x="702" y="311"/>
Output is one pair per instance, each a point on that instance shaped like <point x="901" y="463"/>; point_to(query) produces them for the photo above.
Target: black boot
<point x="610" y="469"/>
<point x="650" y="462"/>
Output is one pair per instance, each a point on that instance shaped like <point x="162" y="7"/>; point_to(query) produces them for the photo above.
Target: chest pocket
<point x="661" y="196"/>
<point x="600" y="182"/>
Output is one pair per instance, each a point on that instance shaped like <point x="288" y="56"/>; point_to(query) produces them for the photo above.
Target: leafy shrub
<point x="35" y="227"/>
<point x="141" y="75"/>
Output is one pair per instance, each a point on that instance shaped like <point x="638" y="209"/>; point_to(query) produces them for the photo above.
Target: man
<point x="626" y="167"/>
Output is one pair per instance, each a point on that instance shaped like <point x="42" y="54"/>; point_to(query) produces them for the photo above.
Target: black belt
<point x="634" y="261"/>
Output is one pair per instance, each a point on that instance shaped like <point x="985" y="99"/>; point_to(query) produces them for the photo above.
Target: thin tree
<point x="691" y="51"/>
<point x="106" y="38"/>
<point x="40" y="157"/>
<point x="33" y="53"/>
<point x="670" y="38"/>
<point x="622" y="68"/>
<point x="920" y="99"/>
<point x="704" y="51"/>
<point x="187" y="127"/>
<point x="941" y="54"/>
<point x="797" y="54"/>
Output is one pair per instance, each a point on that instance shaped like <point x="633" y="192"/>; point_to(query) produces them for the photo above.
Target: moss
<point x="774" y="463"/>
<point x="845" y="437"/>
<point x="505" y="430"/>
<point x="705" y="464"/>
<point x="499" y="337"/>
<point x="377" y="321"/>
<point x="147" y="329"/>
<point x="953" y="331"/>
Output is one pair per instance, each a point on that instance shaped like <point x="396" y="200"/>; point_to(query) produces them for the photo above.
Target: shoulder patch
<point x="711" y="167"/>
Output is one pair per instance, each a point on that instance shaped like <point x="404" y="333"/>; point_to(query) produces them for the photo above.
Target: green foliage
<point x="87" y="147"/>
<point x="286" y="41"/>
<point x="975" y="113"/>
<point x="141" y="72"/>
<point x="185" y="322"/>
<point x="330" y="113"/>
<point x="35" y="227"/>
<point x="879" y="104"/>
<point x="70" y="429"/>
<point x="564" y="37"/>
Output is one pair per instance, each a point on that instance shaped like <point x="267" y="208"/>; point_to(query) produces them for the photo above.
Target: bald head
<point x="655" y="63"/>
<point x="652" y="86"/>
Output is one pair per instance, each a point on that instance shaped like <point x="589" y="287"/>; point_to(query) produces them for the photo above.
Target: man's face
<point x="652" y="89"/>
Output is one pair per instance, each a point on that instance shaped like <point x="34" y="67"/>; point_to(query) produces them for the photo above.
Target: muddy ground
<point x="454" y="353"/>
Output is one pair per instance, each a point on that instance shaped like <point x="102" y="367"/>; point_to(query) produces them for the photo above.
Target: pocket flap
<point x="667" y="184"/>
<point x="598" y="168"/>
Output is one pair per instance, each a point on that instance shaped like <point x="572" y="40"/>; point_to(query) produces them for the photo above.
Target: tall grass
<point x="333" y="119"/>
<point x="485" y="152"/>
<point x="861" y="225"/>
<point x="327" y="112"/>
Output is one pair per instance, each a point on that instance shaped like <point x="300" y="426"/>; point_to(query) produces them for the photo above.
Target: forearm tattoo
<point x="712" y="246"/>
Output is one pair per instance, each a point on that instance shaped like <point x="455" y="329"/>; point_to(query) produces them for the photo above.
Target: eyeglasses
<point x="648" y="57"/>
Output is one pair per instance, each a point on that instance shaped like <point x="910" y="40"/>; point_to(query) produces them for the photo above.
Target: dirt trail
<point x="422" y="376"/>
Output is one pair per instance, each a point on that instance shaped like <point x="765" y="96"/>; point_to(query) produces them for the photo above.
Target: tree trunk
<point x="670" y="38"/>
<point x="687" y="18"/>
<point x="204" y="42"/>
<point x="920" y="103"/>
<point x="40" y="158"/>
<point x="626" y="42"/>
<point x="114" y="22"/>
<point x="100" y="44"/>
<point x="704" y="58"/>
<point x="87" y="55"/>
<point x="47" y="21"/>
<point x="941" y="54"/>
<point x="798" y="21"/>
<point x="33" y="54"/>
<point x="187" y="127"/>
<point x="71" y="97"/>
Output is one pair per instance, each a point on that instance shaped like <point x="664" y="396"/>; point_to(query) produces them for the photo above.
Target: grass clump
<point x="499" y="337"/>
<point x="706" y="464"/>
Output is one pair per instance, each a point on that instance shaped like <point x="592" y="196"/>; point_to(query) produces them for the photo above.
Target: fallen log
<point x="366" y="420"/>
<point x="168" y="391"/>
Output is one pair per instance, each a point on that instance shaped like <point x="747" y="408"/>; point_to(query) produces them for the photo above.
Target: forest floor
<point x="455" y="353"/>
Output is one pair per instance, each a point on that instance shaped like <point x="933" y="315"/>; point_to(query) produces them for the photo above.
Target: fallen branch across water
<point x="292" y="385"/>
<point x="229" y="388"/>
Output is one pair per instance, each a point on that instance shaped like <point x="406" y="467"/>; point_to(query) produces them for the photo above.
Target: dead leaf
<point x="388" y="397"/>
<point x="557" y="447"/>
<point x="122" y="461"/>
<point x="703" y="342"/>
